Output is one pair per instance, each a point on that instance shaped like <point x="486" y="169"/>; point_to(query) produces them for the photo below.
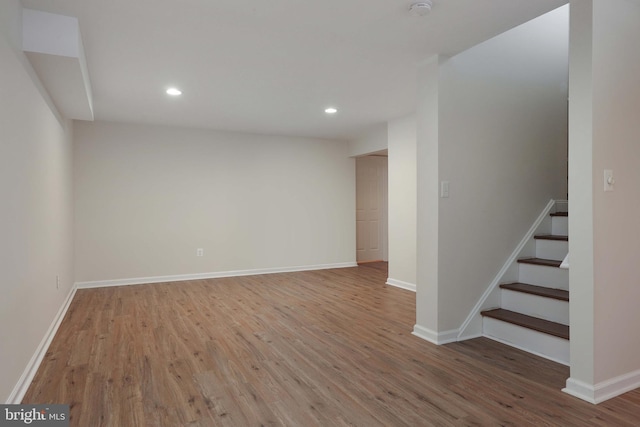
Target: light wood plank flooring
<point x="323" y="348"/>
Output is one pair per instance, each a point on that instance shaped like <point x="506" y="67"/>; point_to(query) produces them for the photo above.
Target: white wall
<point x="148" y="196"/>
<point x="36" y="222"/>
<point x="502" y="118"/>
<point x="616" y="145"/>
<point x="605" y="133"/>
<point x="373" y="141"/>
<point x="402" y="200"/>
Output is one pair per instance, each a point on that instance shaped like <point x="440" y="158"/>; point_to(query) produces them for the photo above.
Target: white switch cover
<point x="444" y="189"/>
<point x="608" y="180"/>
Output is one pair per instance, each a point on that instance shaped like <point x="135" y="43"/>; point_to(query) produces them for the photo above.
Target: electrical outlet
<point x="199" y="252"/>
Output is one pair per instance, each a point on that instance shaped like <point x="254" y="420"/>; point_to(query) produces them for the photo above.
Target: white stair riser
<point x="547" y="346"/>
<point x="536" y="306"/>
<point x="551" y="249"/>
<point x="560" y="225"/>
<point x="550" y="277"/>
<point x="562" y="206"/>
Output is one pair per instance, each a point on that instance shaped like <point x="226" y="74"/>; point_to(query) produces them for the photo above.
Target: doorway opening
<point x="372" y="208"/>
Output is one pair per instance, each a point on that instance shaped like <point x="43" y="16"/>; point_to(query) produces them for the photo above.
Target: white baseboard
<point x="437" y="338"/>
<point x="400" y="284"/>
<point x="32" y="367"/>
<point x="604" y="390"/>
<point x="581" y="390"/>
<point x="469" y="336"/>
<point x="214" y="275"/>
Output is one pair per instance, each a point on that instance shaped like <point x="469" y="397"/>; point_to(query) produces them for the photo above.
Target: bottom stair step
<point x="505" y="326"/>
<point x="540" y="325"/>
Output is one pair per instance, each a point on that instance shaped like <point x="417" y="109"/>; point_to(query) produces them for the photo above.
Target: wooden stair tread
<point x="552" y="237"/>
<point x="540" y="261"/>
<point x="559" y="294"/>
<point x="545" y="326"/>
<point x="560" y="214"/>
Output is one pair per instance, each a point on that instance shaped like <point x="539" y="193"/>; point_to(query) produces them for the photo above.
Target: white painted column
<point x="603" y="225"/>
<point x="427" y="201"/>
<point x="402" y="202"/>
<point x="581" y="282"/>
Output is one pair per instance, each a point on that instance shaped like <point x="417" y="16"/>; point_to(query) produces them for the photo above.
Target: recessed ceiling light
<point x="174" y="91"/>
<point x="330" y="110"/>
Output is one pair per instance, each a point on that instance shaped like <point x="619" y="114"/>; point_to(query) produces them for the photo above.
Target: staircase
<point x="534" y="311"/>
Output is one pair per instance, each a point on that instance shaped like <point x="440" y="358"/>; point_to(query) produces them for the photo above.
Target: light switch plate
<point x="444" y="189"/>
<point x="608" y="180"/>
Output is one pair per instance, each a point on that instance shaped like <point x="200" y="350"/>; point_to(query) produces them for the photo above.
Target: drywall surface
<point x="605" y="238"/>
<point x="616" y="214"/>
<point x="427" y="146"/>
<point x="36" y="217"/>
<point x="147" y="197"/>
<point x="373" y="141"/>
<point x="502" y="148"/>
<point x="402" y="199"/>
<point x="581" y="186"/>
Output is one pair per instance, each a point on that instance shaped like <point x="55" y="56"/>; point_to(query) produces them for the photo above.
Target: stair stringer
<point x="472" y="326"/>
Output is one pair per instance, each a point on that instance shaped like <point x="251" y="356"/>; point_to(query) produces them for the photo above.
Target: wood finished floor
<point x="323" y="348"/>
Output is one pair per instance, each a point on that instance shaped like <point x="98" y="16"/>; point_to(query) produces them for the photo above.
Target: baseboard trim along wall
<point x="400" y="284"/>
<point x="437" y="338"/>
<point x="32" y="367"/>
<point x="604" y="390"/>
<point x="215" y="275"/>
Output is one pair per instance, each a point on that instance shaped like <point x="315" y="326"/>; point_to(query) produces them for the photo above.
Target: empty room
<point x="364" y="213"/>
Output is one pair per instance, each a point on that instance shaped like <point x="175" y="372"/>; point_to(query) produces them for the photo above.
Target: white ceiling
<point x="272" y="66"/>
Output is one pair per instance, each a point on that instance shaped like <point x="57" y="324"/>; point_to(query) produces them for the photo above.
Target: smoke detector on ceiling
<point x="421" y="8"/>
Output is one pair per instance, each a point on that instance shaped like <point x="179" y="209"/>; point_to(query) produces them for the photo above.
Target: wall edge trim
<point x="401" y="284"/>
<point x="433" y="337"/>
<point x="604" y="390"/>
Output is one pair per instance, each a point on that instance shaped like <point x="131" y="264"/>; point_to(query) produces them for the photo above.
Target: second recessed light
<point x="174" y="91"/>
<point x="330" y="110"/>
